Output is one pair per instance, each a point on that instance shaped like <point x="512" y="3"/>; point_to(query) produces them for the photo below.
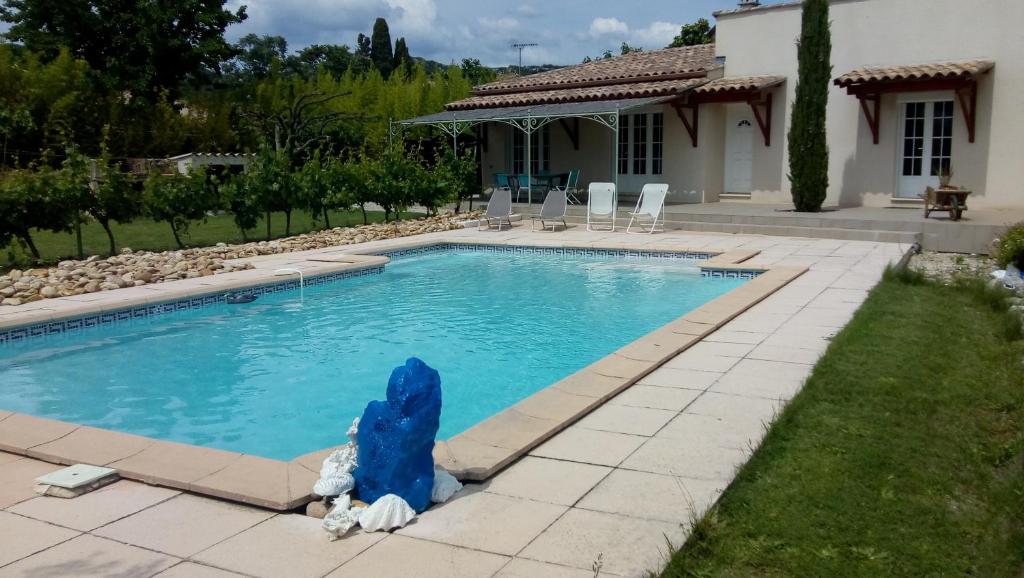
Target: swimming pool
<point x="285" y="375"/>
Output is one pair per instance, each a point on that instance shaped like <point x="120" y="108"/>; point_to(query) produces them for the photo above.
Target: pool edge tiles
<point x="203" y="297"/>
<point x="475" y="454"/>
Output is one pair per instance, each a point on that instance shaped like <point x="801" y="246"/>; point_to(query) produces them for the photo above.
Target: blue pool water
<point x="284" y="376"/>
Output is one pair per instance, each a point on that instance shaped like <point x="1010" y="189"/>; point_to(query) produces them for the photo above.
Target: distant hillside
<point x="531" y="69"/>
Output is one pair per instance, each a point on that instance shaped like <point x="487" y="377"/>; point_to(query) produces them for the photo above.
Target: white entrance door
<point x="926" y="143"/>
<point x="739" y="151"/>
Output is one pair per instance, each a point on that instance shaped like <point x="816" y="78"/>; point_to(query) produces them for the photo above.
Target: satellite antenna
<point x="520" y="46"/>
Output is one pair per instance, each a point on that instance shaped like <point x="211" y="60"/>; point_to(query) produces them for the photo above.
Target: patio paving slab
<point x="600" y="448"/>
<point x="710" y="431"/>
<point x="160" y="527"/>
<point x="402" y="557"/>
<point x="289" y="545"/>
<point x="669" y="456"/>
<point x="6" y="457"/>
<point x="628" y="546"/>
<point x="19" y="432"/>
<point x="260" y="481"/>
<point x="89" y="445"/>
<point x="546" y="480"/>
<point x="17" y="480"/>
<point x="97" y="508"/>
<point x="701" y="362"/>
<point x="666" y="376"/>
<point x="638" y="421"/>
<point x="21" y="537"/>
<point x="655" y="397"/>
<point x="173" y="464"/>
<point x="484" y="521"/>
<point x="727" y="336"/>
<point x="193" y="570"/>
<point x="523" y="568"/>
<point x="664" y="498"/>
<point x="736" y="408"/>
<point x="88" y="556"/>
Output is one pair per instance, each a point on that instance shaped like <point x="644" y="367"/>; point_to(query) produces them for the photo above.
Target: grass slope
<point x="148" y="235"/>
<point x="902" y="456"/>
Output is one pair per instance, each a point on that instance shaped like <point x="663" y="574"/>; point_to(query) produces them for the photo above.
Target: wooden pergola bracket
<point x="872" y="113"/>
<point x="968" y="97"/>
<point x="966" y="90"/>
<point x="764" y="120"/>
<point x="573" y="132"/>
<point x="692" y="126"/>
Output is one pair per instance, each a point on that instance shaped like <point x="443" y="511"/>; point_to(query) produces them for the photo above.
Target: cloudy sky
<point x="449" y="30"/>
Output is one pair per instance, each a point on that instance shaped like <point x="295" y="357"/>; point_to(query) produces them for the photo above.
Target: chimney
<point x="749" y="4"/>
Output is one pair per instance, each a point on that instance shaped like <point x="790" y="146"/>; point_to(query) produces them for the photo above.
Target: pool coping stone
<point x="473" y="455"/>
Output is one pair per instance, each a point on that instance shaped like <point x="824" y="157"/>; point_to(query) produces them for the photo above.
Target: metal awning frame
<point x="529" y="120"/>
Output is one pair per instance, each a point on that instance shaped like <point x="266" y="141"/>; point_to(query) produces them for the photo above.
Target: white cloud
<point x="657" y="35"/>
<point x="497" y="25"/>
<point x="414" y="15"/>
<point x="608" y="27"/>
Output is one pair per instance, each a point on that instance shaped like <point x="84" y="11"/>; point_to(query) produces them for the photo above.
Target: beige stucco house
<point x="921" y="87"/>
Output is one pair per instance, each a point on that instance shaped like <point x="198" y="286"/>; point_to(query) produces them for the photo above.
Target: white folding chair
<point x="650" y="206"/>
<point x="601" y="206"/>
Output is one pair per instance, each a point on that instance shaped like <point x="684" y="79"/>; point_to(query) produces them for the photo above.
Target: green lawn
<point x="902" y="456"/>
<point x="144" y="234"/>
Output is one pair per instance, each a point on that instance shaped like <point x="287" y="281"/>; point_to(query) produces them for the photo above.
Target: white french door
<point x="640" y="156"/>
<point x="926" y="145"/>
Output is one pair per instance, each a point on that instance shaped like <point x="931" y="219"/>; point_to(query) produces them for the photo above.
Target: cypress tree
<point x="808" y="148"/>
<point x="380" y="47"/>
<point x="402" y="61"/>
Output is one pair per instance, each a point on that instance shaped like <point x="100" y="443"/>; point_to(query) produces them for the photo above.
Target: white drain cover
<point x="75" y="476"/>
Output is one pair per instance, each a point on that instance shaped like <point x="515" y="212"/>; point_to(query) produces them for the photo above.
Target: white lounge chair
<point x="569" y="187"/>
<point x="649" y="207"/>
<point x="553" y="210"/>
<point x="499" y="208"/>
<point x="601" y="206"/>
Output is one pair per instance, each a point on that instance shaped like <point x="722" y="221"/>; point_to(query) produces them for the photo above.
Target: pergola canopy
<point x="530" y="118"/>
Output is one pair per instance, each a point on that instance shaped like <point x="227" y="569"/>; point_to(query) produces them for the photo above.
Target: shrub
<point x="32" y="199"/>
<point x="180" y="199"/>
<point x="1011" y="247"/>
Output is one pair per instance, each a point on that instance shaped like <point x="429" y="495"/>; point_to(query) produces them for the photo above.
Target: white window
<point x="641" y="144"/>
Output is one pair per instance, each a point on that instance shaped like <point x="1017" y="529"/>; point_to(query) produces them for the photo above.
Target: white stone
<point x="445" y="486"/>
<point x="387" y="513"/>
<point x="341" y="518"/>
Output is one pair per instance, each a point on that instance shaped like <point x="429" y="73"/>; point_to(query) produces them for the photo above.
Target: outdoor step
<point x="845" y="234"/>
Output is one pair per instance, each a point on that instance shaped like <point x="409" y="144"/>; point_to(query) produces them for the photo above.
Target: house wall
<point x="891" y="32"/>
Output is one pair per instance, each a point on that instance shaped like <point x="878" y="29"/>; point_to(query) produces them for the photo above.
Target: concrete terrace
<point x="614" y="485"/>
<point x="972" y="234"/>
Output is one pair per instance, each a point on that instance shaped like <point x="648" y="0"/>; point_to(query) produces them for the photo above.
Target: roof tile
<point x="606" y="92"/>
<point x="636" y="66"/>
<point x="936" y="70"/>
<point x="739" y="84"/>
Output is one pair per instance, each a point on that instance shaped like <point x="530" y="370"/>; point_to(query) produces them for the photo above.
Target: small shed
<point x="220" y="162"/>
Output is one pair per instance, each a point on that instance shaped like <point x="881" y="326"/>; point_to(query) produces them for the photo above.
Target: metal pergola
<point x="530" y="119"/>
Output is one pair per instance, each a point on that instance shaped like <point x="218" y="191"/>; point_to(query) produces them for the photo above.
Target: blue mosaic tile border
<point x="148" y="310"/>
<point x="568" y="251"/>
<point x="64" y="325"/>
<point x="729" y="273"/>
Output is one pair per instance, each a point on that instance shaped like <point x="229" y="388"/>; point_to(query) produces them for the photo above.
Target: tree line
<point x="85" y="85"/>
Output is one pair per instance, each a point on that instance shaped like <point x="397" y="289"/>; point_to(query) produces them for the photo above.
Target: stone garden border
<point x="475" y="454"/>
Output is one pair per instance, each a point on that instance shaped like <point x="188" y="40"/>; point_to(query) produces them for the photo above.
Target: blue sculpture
<point x="396" y="437"/>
